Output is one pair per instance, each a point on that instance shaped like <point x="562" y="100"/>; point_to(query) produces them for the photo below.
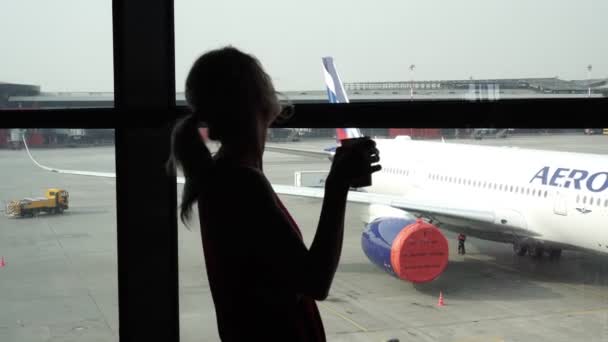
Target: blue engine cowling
<point x="408" y="249"/>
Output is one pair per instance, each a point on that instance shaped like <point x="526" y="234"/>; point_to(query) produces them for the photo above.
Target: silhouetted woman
<point x="263" y="279"/>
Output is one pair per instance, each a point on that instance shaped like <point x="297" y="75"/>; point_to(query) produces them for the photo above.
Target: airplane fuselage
<point x="558" y="198"/>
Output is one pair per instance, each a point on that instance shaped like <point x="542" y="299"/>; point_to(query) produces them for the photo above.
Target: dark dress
<point x="256" y="261"/>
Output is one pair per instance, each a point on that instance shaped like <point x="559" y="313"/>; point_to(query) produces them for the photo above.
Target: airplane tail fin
<point x="335" y="88"/>
<point x="337" y="94"/>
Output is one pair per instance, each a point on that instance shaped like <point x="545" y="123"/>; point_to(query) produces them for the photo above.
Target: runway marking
<point x="337" y="313"/>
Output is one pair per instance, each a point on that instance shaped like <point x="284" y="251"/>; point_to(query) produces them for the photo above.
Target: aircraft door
<point x="560" y="207"/>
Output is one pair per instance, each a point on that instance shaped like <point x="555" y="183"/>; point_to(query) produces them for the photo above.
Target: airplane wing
<point x="73" y="172"/>
<point x="425" y="208"/>
<point x="422" y="207"/>
<point x="299" y="152"/>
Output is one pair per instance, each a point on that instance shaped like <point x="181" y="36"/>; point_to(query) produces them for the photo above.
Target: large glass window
<point x="401" y="50"/>
<point x="56" y="54"/>
<point x="58" y="267"/>
<point x="517" y="280"/>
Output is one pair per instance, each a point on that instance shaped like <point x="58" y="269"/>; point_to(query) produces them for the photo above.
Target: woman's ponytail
<point x="191" y="155"/>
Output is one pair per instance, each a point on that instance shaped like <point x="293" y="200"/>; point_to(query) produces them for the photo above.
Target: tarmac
<point x="59" y="280"/>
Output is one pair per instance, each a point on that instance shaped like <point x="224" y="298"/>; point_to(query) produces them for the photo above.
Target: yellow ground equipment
<point x="55" y="202"/>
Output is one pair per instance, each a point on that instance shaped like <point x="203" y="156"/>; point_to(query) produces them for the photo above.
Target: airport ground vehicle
<point x="54" y="202"/>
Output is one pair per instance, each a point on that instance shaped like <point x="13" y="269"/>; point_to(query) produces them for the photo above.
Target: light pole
<point x="589" y="68"/>
<point x="412" y="82"/>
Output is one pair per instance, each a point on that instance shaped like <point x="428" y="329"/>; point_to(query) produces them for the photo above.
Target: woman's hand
<point x="353" y="162"/>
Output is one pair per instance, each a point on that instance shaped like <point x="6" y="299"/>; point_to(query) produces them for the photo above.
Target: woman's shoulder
<point x="240" y="176"/>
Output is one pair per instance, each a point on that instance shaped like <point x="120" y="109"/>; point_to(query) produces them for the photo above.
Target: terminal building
<point x="24" y="97"/>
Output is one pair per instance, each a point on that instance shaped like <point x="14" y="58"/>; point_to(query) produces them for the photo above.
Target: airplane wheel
<point x="535" y="252"/>
<point x="520" y="249"/>
<point x="555" y="253"/>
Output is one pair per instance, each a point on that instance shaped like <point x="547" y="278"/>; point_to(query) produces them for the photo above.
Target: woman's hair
<point x="228" y="90"/>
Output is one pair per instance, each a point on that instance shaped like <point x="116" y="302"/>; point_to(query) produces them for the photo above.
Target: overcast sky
<point x="66" y="45"/>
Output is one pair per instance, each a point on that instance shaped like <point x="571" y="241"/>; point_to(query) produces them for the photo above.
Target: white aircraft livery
<point x="540" y="201"/>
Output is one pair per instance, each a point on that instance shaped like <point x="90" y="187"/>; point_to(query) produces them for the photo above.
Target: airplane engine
<point x="409" y="249"/>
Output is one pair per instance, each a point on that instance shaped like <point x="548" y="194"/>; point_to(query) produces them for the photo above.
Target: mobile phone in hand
<point x="363" y="181"/>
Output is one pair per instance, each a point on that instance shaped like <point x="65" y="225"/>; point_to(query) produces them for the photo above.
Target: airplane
<point x="540" y="201"/>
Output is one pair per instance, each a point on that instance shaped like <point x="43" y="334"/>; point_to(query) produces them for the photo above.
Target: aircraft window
<point x="511" y="188"/>
<point x="546" y="193"/>
<point x="606" y="203"/>
<point x="528" y="191"/>
<point x="578" y="198"/>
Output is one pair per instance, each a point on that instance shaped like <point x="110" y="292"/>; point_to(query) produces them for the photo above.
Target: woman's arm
<point x="326" y="248"/>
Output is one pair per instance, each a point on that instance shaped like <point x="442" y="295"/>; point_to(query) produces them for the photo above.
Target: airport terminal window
<point x="58" y="257"/>
<point x="366" y="303"/>
<point x="56" y="54"/>
<point x="411" y="59"/>
<point x="190" y="258"/>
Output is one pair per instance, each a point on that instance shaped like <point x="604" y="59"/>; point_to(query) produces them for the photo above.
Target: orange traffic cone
<point x="2" y="263"/>
<point x="440" y="302"/>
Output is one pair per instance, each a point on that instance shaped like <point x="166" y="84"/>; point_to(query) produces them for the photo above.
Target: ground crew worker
<point x="461" y="239"/>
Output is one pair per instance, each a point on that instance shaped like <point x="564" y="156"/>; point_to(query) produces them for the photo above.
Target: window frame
<point x="144" y="108"/>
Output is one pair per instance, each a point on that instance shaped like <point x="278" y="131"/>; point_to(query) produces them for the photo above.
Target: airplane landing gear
<point x="535" y="251"/>
<point x="520" y="249"/>
<point x="555" y="253"/>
